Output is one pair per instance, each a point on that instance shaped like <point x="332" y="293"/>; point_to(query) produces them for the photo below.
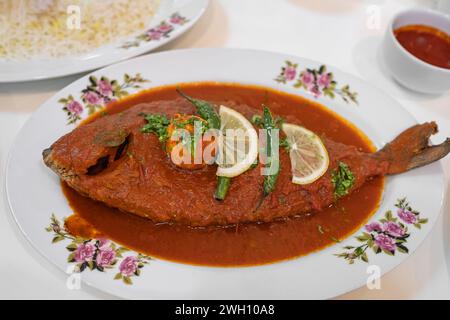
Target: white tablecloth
<point x="343" y="33"/>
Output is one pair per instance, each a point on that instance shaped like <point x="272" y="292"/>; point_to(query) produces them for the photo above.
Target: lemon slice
<point x="238" y="143"/>
<point x="309" y="157"/>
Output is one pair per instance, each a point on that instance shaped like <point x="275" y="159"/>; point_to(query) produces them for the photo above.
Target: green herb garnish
<point x="257" y="120"/>
<point x="343" y="179"/>
<point x="157" y="124"/>
<point x="284" y="143"/>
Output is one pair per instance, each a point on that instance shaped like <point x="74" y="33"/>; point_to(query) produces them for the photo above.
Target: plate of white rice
<point x="41" y="39"/>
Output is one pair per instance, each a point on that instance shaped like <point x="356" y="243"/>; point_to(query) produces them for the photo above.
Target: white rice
<point x="38" y="28"/>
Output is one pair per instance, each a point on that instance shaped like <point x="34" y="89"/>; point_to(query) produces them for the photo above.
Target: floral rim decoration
<point x="318" y="82"/>
<point x="98" y="254"/>
<point x="159" y="32"/>
<point x="97" y="94"/>
<point x="387" y="235"/>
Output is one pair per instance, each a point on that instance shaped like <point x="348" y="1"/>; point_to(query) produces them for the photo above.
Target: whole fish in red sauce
<point x="112" y="161"/>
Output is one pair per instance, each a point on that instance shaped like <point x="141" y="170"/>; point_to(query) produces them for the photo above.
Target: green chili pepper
<point x="269" y="124"/>
<point x="204" y="109"/>
<point x="223" y="184"/>
<point x="207" y="112"/>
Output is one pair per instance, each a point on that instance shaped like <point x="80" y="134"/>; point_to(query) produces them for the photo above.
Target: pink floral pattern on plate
<point x="98" y="254"/>
<point x="388" y="235"/>
<point x="161" y="31"/>
<point x="316" y="81"/>
<point x="97" y="94"/>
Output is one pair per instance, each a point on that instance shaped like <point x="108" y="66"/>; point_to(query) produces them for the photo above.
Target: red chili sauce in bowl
<point x="426" y="43"/>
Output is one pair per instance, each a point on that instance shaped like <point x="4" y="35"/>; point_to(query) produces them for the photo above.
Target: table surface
<point x="309" y="28"/>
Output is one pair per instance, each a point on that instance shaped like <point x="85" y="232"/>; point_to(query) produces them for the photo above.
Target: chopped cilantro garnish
<point x="343" y="179"/>
<point x="157" y="124"/>
<point x="257" y="120"/>
<point x="284" y="143"/>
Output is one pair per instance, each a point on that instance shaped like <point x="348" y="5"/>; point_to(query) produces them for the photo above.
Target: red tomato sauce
<point x="426" y="43"/>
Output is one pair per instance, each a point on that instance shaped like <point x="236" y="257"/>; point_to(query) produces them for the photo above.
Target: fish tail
<point x="411" y="149"/>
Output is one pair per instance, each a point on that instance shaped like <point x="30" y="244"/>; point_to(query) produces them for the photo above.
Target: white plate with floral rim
<point x="172" y="19"/>
<point x="319" y="275"/>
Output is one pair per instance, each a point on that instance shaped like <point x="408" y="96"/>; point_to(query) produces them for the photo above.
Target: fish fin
<point x="411" y="149"/>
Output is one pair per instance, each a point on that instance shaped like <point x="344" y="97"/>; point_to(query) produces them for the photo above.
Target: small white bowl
<point x="408" y="70"/>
